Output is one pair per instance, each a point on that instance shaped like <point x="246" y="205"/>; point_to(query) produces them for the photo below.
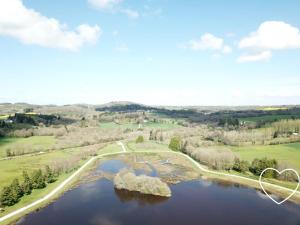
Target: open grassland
<point x="36" y="194"/>
<point x="269" y="118"/>
<point x="289" y="153"/>
<point x="10" y="169"/>
<point x="13" y="168"/>
<point x="26" y="144"/>
<point x="3" y="117"/>
<point x="135" y="126"/>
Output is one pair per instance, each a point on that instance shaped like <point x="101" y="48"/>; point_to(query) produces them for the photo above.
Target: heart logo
<point x="285" y="170"/>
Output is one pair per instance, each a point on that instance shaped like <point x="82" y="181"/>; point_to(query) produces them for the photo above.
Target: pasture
<point x="30" y="144"/>
<point x="289" y="153"/>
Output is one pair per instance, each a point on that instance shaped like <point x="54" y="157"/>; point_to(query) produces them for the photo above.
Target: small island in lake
<point x="144" y="184"/>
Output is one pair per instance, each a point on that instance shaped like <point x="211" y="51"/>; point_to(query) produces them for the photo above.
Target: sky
<point x="156" y="52"/>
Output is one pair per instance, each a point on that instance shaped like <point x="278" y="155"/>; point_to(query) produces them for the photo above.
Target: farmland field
<point x="289" y="153"/>
<point x="27" y="144"/>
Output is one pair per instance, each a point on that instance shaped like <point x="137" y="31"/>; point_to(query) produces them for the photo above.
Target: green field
<point x="289" y="153"/>
<point x="3" y="117"/>
<point x="269" y="118"/>
<point x="28" y="144"/>
<point x="135" y="126"/>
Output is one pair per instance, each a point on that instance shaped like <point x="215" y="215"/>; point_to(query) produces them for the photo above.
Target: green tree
<point x="151" y="135"/>
<point x="240" y="165"/>
<point x="8" y="153"/>
<point x="175" y="143"/>
<point x="16" y="188"/>
<point x="139" y="139"/>
<point x="38" y="180"/>
<point x="49" y="175"/>
<point x="8" y="197"/>
<point x="258" y="165"/>
<point x="27" y="185"/>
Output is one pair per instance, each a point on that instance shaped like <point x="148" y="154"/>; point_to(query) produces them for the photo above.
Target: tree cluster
<point x="12" y="194"/>
<point x="156" y="135"/>
<point x="139" y="139"/>
<point x="258" y="165"/>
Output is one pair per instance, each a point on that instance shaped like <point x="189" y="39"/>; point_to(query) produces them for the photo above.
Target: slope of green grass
<point x="289" y="153"/>
<point x="27" y="144"/>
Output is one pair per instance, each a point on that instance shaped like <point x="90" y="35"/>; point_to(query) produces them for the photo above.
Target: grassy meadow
<point x="289" y="153"/>
<point x="26" y="144"/>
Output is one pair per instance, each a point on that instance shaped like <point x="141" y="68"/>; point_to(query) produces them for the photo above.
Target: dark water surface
<point x="192" y="203"/>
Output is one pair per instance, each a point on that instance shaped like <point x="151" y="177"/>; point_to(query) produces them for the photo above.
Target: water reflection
<point x="142" y="199"/>
<point x="193" y="203"/>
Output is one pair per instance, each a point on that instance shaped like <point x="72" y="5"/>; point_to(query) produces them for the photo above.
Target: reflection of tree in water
<point x="141" y="199"/>
<point x="227" y="184"/>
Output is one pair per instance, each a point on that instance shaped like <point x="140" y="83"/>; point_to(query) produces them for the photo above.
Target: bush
<point x="241" y="166"/>
<point x="139" y="139"/>
<point x="258" y="165"/>
<point x="27" y="184"/>
<point x="8" y="197"/>
<point x="38" y="180"/>
<point x="175" y="144"/>
<point x="49" y="175"/>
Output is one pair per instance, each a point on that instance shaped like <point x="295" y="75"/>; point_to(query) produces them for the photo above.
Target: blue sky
<point x="158" y="52"/>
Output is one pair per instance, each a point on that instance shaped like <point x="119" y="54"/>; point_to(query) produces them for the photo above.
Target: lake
<point x="192" y="203"/>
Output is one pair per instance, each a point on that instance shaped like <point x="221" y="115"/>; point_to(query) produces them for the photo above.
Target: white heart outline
<point x="295" y="190"/>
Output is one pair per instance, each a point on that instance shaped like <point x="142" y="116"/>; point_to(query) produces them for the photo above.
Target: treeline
<point x="225" y="159"/>
<point x="39" y="179"/>
<point x="286" y="127"/>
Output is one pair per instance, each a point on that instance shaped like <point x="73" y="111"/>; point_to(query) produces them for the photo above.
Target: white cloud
<point x="209" y="42"/>
<point x="30" y="27"/>
<point x="130" y="13"/>
<point x="113" y="6"/>
<point x="261" y="56"/>
<point x="104" y="4"/>
<point x="271" y="35"/>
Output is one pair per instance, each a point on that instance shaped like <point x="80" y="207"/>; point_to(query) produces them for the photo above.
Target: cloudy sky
<point x="158" y="52"/>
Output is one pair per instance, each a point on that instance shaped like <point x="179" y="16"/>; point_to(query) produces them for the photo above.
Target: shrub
<point x="8" y="197"/>
<point x="38" y="180"/>
<point x="175" y="144"/>
<point x="139" y="139"/>
<point x="240" y="165"/>
<point x="49" y="175"/>
<point x="258" y="165"/>
<point x="27" y="184"/>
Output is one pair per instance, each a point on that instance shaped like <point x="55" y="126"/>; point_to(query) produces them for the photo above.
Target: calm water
<point x="196" y="202"/>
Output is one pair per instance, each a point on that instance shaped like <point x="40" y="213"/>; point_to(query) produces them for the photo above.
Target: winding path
<point x="65" y="182"/>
